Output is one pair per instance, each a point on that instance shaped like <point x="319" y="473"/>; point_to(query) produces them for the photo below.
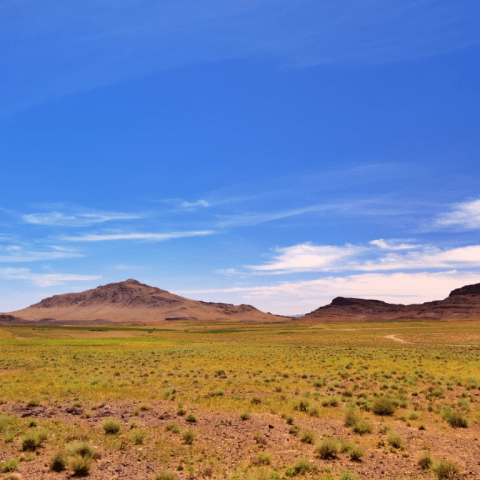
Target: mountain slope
<point x="132" y="302"/>
<point x="461" y="303"/>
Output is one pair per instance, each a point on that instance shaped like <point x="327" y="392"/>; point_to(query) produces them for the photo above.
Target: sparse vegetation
<point x="247" y="390"/>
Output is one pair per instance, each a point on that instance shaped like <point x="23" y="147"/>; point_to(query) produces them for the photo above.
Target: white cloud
<point x="198" y="203"/>
<point x="156" y="237"/>
<point x="464" y="215"/>
<point x="392" y="245"/>
<point x="291" y="298"/>
<point x="56" y="218"/>
<point x="390" y="255"/>
<point x="308" y="257"/>
<point x="43" y="279"/>
<point x="17" y="253"/>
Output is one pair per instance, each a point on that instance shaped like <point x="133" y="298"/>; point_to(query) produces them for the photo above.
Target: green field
<point x="243" y="401"/>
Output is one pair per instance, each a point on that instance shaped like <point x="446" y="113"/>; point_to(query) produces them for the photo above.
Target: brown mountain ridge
<point x="131" y="302"/>
<point x="462" y="303"/>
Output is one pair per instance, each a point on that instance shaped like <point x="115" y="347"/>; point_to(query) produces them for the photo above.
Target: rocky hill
<point x="460" y="304"/>
<point x="132" y="302"/>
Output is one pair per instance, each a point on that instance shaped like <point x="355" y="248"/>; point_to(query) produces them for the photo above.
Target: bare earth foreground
<point x="241" y="401"/>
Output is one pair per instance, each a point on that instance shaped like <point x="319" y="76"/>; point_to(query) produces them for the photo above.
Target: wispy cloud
<point x="154" y="237"/>
<point x="464" y="215"/>
<point x="44" y="279"/>
<point x="378" y="255"/>
<point x="56" y="218"/>
<point x="393" y="245"/>
<point x="192" y="205"/>
<point x="19" y="254"/>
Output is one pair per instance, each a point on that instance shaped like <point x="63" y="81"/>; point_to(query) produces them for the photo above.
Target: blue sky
<point x="271" y="153"/>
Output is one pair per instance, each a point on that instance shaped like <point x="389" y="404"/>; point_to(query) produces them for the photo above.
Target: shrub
<point x="81" y="448"/>
<point x="455" y="419"/>
<point x="446" y="469"/>
<point x="328" y="448"/>
<point x="256" y="401"/>
<point x="191" y="418"/>
<point x="79" y="465"/>
<point x="172" y="427"/>
<point x="188" y="436"/>
<point x="300" y="468"/>
<point x="245" y="415"/>
<point x="362" y="427"/>
<point x="395" y="439"/>
<point x="9" y="465"/>
<point x="289" y="419"/>
<point x="383" y="406"/>
<point x="181" y="411"/>
<point x="425" y="461"/>
<point x="307" y="436"/>
<point x="111" y="426"/>
<point x="137" y="436"/>
<point x="58" y="462"/>
<point x="259" y="438"/>
<point x="356" y="453"/>
<point x="4" y="422"/>
<point x="33" y="440"/>
<point x="350" y="417"/>
<point x="164" y="476"/>
<point x="262" y="459"/>
<point x="347" y="475"/>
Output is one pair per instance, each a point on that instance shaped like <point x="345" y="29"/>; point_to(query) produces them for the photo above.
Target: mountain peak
<point x="466" y="290"/>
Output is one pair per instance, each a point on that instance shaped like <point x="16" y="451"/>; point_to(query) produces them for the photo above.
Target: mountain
<point x="461" y="303"/>
<point x="131" y="302"/>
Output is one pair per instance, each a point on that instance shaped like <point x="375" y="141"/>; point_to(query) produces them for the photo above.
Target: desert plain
<point x="236" y="399"/>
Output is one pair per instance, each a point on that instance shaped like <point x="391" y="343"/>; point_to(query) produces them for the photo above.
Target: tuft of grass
<point x="191" y="418"/>
<point x="9" y="465"/>
<point x="383" y="406"/>
<point x="446" y="469"/>
<point x="327" y="448"/>
<point x="259" y="438"/>
<point x="347" y="475"/>
<point x="137" y="436"/>
<point x="172" y="427"/>
<point x="307" y="436"/>
<point x="80" y="466"/>
<point x="455" y="419"/>
<point x="425" y="461"/>
<point x="111" y="426"/>
<point x="302" y="467"/>
<point x="356" y="453"/>
<point x="262" y="459"/>
<point x="58" y="462"/>
<point x="245" y="415"/>
<point x="395" y="439"/>
<point x="188" y="436"/>
<point x="33" y="440"/>
<point x="164" y="475"/>
<point x="81" y="448"/>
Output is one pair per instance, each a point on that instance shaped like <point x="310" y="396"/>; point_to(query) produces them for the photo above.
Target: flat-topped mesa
<point x="466" y="290"/>
<point x="346" y="302"/>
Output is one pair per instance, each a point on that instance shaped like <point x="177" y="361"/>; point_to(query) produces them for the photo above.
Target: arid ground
<point x="340" y="401"/>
